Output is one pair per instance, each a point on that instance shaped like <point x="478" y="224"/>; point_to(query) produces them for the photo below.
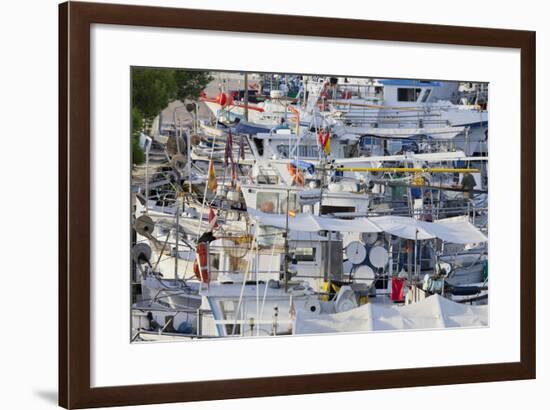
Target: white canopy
<point x="453" y="231"/>
<point x="439" y="133"/>
<point x="313" y="223"/>
<point x="431" y="313"/>
<point x="409" y="157"/>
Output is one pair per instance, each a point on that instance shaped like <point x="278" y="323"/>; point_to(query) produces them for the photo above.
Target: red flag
<point x="397" y="289"/>
<point x="212" y="218"/>
<point x="228" y="149"/>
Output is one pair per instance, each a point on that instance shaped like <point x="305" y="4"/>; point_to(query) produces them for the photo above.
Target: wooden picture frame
<point x="75" y="20"/>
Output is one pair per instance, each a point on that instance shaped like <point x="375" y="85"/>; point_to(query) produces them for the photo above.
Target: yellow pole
<point x="405" y="170"/>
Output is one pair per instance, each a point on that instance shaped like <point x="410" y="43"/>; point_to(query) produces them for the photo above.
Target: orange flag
<point x="212" y="183"/>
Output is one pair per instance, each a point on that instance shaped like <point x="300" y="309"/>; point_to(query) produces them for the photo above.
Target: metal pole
<point x="286" y="241"/>
<point x="174" y="119"/>
<point x="467" y="141"/>
<point x="188" y="165"/>
<point x="246" y="96"/>
<point x="177" y="239"/>
<point x="196" y="122"/>
<point x="305" y="93"/>
<point x="415" y="261"/>
<point x="329" y="247"/>
<point x="146" y="176"/>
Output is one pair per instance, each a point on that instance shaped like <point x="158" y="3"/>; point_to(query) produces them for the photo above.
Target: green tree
<point x="190" y="83"/>
<point x="153" y="89"/>
<point x="137" y="126"/>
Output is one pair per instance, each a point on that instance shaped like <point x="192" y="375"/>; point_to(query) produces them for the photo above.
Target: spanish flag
<point x="327" y="142"/>
<point x="212" y="184"/>
<point x="324" y="140"/>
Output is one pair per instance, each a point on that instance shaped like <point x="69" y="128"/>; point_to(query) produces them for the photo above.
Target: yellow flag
<point x="212" y="183"/>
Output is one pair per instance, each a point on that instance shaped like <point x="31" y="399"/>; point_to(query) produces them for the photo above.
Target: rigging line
<point x="245" y="276"/>
<point x="206" y="184"/>
<point x="161" y="253"/>
<point x="266" y="285"/>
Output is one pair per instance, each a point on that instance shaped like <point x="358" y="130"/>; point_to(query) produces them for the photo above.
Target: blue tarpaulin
<point x="304" y="166"/>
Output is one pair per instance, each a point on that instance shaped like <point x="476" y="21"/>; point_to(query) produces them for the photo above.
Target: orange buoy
<point x="224" y="99"/>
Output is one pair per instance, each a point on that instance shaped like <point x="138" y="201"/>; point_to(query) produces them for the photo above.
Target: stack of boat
<point x="352" y="206"/>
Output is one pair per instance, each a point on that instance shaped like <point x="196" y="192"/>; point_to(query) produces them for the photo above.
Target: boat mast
<point x="177" y="237"/>
<point x="246" y="96"/>
<point x="146" y="176"/>
<point x="286" y="241"/>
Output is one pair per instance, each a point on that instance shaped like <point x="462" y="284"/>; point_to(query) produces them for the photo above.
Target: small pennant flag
<point x="212" y="183"/>
<point x="212" y="218"/>
<point x="228" y="149"/>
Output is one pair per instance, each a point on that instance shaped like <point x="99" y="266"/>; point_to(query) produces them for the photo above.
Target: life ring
<point x="202" y="259"/>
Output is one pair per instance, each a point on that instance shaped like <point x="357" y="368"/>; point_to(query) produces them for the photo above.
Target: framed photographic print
<point x="256" y="205"/>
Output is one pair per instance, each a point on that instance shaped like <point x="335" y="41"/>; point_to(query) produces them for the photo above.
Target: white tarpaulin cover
<point x="453" y="231"/>
<point x="408" y="157"/>
<point x="434" y="312"/>
<point x="313" y="223"/>
<point x="402" y="226"/>
<point x="439" y="133"/>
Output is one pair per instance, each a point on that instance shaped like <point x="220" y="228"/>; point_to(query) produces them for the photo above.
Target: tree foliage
<point x="138" y="155"/>
<point x="190" y="83"/>
<point x="153" y="89"/>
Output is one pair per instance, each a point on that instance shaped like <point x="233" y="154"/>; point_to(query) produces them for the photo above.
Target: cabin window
<point x="426" y="95"/>
<point x="282" y="150"/>
<point x="275" y="203"/>
<point x="267" y="202"/>
<point x="307" y="151"/>
<point x="303" y="151"/>
<point x="329" y="209"/>
<point x="259" y="146"/>
<point x="305" y="254"/>
<point x="408" y="94"/>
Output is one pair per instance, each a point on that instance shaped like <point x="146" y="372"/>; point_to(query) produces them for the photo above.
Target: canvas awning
<point x="431" y="313"/>
<point x="453" y="231"/>
<point x="313" y="223"/>
<point x="438" y="133"/>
